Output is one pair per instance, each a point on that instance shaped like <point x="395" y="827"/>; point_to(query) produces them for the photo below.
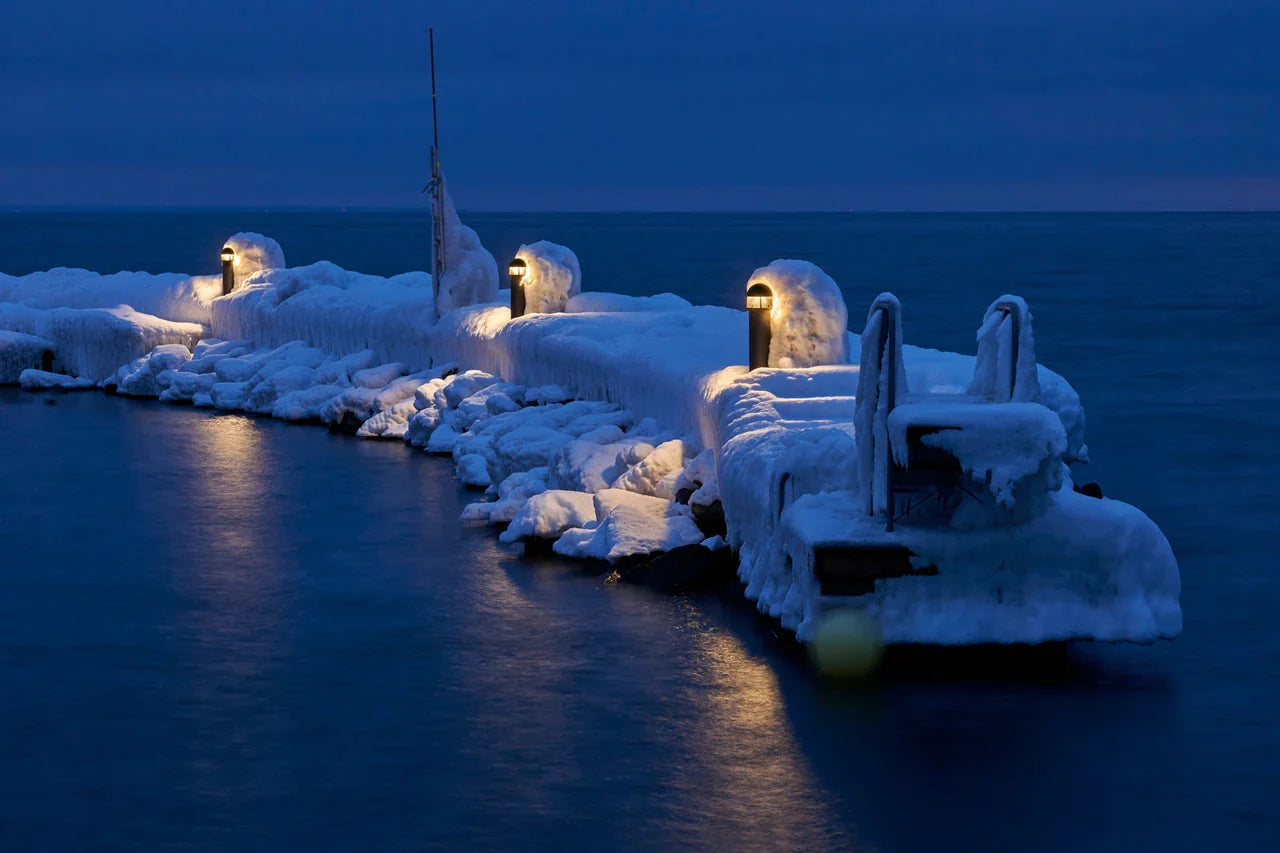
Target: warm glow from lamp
<point x="516" y="271"/>
<point x="759" y="296"/>
<point x="229" y="254"/>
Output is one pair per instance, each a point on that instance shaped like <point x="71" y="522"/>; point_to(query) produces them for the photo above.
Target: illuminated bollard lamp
<point x="759" y="324"/>
<point x="228" y="270"/>
<point x="516" y="272"/>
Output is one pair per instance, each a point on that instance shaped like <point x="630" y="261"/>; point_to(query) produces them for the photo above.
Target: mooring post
<point x="228" y="270"/>
<point x="759" y="324"/>
<point x="516" y="272"/>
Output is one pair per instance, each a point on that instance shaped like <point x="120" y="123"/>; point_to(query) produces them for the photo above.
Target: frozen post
<point x="228" y="270"/>
<point x="516" y="271"/>
<point x="1010" y="310"/>
<point x="760" y="329"/>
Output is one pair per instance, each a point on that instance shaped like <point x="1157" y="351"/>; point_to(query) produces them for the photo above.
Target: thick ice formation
<point x="471" y="274"/>
<point x="809" y="316"/>
<point x="18" y="352"/>
<point x="334" y="309"/>
<point x="552" y="279"/>
<point x="1085" y="568"/>
<point x="91" y="343"/>
<point x="172" y="296"/>
<point x="254" y="252"/>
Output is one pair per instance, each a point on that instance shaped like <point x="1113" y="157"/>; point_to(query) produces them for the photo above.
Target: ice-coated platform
<point x="623" y="426"/>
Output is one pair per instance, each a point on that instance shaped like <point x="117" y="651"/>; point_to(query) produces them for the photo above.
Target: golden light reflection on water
<point x="240" y="572"/>
<point x="748" y="767"/>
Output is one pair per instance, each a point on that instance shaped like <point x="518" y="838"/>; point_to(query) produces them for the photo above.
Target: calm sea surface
<point x="222" y="632"/>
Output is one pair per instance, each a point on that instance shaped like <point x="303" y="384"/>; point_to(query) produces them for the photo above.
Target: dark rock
<point x="348" y="425"/>
<point x="710" y="518"/>
<point x="687" y="568"/>
<point x="537" y="547"/>
<point x="682" y="496"/>
<point x="1092" y="490"/>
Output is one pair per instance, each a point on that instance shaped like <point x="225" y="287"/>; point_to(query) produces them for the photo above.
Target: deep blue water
<point x="219" y="632"/>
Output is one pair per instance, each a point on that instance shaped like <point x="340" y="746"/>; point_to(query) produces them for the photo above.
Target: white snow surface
<point x="552" y="278"/>
<point x="173" y="296"/>
<point x="32" y="379"/>
<point x="809" y="317"/>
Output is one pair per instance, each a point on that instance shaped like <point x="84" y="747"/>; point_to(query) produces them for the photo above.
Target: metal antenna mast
<point x="436" y="187"/>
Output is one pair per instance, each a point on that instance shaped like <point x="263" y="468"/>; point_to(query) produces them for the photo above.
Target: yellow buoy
<point x="847" y="645"/>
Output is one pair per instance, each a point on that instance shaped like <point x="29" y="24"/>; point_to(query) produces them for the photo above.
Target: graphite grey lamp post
<point x="516" y="272"/>
<point x="759" y="326"/>
<point x="228" y="270"/>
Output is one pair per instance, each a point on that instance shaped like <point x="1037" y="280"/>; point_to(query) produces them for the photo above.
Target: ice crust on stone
<point x="19" y="352"/>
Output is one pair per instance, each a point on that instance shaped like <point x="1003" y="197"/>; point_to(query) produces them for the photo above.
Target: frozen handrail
<point x="1006" y="374"/>
<point x="1014" y="313"/>
<point x="877" y="396"/>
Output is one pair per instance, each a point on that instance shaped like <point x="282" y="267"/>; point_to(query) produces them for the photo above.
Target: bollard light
<point x="228" y="270"/>
<point x="759" y="325"/>
<point x="516" y="271"/>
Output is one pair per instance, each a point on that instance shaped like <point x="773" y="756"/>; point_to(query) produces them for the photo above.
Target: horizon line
<point x="425" y="210"/>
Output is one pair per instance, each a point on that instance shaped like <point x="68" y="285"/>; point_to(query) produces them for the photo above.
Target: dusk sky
<point x="907" y="105"/>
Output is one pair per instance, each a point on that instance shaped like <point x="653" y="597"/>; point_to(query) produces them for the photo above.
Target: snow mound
<point x="549" y="514"/>
<point x="628" y="524"/>
<point x="254" y="252"/>
<point x="809" y="318"/>
<point x="35" y="380"/>
<point x="553" y="277"/>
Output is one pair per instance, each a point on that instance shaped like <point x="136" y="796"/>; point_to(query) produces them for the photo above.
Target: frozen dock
<point x="930" y="490"/>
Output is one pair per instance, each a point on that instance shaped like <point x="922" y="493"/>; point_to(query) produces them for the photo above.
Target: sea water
<point x="224" y="632"/>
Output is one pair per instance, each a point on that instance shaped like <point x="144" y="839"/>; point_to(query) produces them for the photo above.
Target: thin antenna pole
<point x="436" y="186"/>
<point x="435" y="124"/>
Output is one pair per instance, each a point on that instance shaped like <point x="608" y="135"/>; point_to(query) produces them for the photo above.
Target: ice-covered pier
<point x="930" y="491"/>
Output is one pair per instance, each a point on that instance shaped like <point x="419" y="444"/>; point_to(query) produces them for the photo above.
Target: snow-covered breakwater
<point x="622" y="427"/>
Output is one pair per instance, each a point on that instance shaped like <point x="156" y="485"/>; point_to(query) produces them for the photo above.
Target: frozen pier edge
<point x="621" y="426"/>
